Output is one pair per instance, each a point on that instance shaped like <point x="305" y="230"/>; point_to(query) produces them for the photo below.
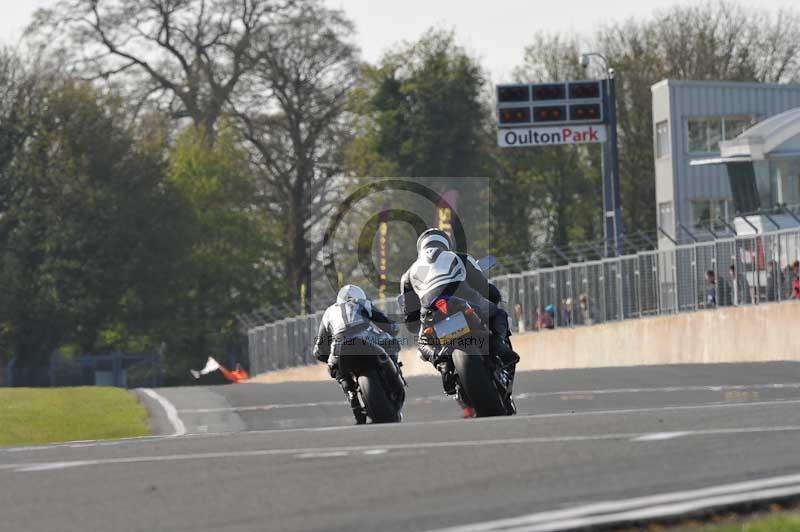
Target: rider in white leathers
<point x="352" y="324"/>
<point x="438" y="272"/>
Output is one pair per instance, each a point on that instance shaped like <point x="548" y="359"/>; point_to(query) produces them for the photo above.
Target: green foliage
<point x="104" y="245"/>
<point x="425" y="111"/>
<point x="82" y="239"/>
<point x="421" y="114"/>
<point x="227" y="267"/>
<point x="772" y="523"/>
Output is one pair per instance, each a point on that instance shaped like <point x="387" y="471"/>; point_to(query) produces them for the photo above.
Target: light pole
<point x="612" y="211"/>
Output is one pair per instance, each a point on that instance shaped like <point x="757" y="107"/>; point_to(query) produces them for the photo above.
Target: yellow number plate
<point x="452" y="327"/>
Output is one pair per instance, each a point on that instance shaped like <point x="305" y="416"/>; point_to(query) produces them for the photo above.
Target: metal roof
<point x="691" y="83"/>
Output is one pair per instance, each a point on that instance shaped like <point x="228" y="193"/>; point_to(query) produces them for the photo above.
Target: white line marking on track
<point x="670" y="509"/>
<point x="373" y="452"/>
<point x="47" y="466"/>
<point x="179" y="429"/>
<point x="88" y="443"/>
<point x="256" y="408"/>
<point x="641" y="508"/>
<point x="52" y="466"/>
<point x="521" y="396"/>
<point x="652" y="409"/>
<point x="666" y="389"/>
<point x="503" y="419"/>
<point x="658" y="436"/>
<point x="327" y="454"/>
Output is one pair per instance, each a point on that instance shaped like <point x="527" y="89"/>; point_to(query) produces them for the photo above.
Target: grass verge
<point x="50" y="415"/>
<point x="769" y="517"/>
<point x="772" y="523"/>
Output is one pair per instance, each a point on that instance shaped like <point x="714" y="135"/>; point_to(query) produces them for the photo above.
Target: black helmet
<point x="433" y="237"/>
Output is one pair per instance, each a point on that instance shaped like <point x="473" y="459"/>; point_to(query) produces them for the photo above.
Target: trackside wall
<point x="734" y="334"/>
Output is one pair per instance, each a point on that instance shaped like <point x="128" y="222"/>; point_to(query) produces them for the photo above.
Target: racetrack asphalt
<point x="286" y="457"/>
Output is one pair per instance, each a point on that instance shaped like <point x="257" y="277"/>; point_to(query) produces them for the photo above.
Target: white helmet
<point x="433" y="237"/>
<point x="353" y="293"/>
<point x="350" y="292"/>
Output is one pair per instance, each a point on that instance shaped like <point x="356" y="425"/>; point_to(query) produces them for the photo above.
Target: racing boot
<point x="500" y="346"/>
<point x="448" y="377"/>
<point x="429" y="353"/>
<point x="358" y="410"/>
<point x="355" y="405"/>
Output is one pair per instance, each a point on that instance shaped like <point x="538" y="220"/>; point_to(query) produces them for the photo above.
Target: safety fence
<point x="744" y="270"/>
<point x="115" y="368"/>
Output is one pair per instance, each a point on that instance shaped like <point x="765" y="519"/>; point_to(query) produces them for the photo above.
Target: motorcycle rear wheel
<point x="379" y="408"/>
<point x="477" y="384"/>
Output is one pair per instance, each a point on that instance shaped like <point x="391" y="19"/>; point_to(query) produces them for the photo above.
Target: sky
<point x="496" y="31"/>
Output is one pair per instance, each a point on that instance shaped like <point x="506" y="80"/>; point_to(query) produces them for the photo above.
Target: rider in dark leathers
<point x="439" y="271"/>
<point x="349" y="327"/>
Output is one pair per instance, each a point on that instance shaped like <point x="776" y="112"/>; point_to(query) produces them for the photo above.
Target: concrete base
<point x="734" y="334"/>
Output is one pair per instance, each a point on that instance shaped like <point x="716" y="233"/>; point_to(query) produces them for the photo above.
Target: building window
<point x="662" y="139"/>
<point x="733" y="126"/>
<point x="788" y="173"/>
<point x="706" y="132"/>
<point x="709" y="212"/>
<point x="665" y="219"/>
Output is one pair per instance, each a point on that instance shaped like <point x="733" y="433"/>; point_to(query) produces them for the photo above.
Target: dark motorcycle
<point x="460" y="339"/>
<point x="378" y="382"/>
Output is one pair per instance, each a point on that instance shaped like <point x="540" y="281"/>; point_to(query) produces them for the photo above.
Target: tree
<point x="81" y="233"/>
<point x="195" y="52"/>
<point x="230" y="263"/>
<point x="309" y="65"/>
<point x="421" y="114"/>
<point x="424" y="110"/>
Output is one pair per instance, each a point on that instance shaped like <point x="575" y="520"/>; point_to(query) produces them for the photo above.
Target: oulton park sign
<point x="551" y="136"/>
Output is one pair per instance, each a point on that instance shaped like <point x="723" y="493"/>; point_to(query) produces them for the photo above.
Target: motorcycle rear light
<point x="428" y="331"/>
<point x="441" y="305"/>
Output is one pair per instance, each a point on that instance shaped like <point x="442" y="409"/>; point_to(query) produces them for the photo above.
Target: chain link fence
<point x="747" y="270"/>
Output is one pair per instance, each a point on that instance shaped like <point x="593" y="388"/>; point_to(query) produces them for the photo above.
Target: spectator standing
<point x="774" y="281"/>
<point x="519" y="315"/>
<point x="567" y="312"/>
<point x="545" y="318"/>
<point x="711" y="289"/>
<point x="796" y="279"/>
<point x="586" y="311"/>
<point x="724" y="291"/>
<point x="739" y="288"/>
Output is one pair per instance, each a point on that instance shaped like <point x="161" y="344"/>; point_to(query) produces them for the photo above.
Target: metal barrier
<point x="747" y="270"/>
